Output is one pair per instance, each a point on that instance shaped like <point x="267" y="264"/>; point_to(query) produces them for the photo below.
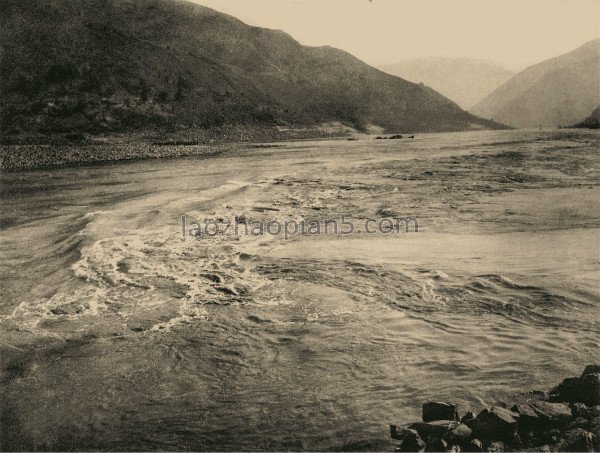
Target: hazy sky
<point x="514" y="33"/>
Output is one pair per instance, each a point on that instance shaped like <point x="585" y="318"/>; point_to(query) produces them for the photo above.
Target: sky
<point x="513" y="33"/>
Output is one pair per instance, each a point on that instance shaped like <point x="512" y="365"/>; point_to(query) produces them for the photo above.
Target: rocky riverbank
<point x="52" y="150"/>
<point x="15" y="157"/>
<point x="566" y="418"/>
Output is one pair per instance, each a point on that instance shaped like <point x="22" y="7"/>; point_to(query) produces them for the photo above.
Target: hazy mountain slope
<point x="466" y="81"/>
<point x="107" y="65"/>
<point x="592" y="121"/>
<point x="556" y="92"/>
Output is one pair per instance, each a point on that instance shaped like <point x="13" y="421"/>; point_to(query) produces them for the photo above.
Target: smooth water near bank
<point x="116" y="334"/>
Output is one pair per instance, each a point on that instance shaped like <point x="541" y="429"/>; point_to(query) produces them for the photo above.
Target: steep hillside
<point x="556" y="92"/>
<point x="113" y="65"/>
<point x="466" y="81"/>
<point x="591" y="122"/>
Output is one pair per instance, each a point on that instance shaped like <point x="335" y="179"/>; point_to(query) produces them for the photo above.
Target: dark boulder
<point x="591" y="369"/>
<point x="431" y="430"/>
<point x="584" y="389"/>
<point x="436" y="445"/>
<point x="576" y="440"/>
<point x="579" y="422"/>
<point x="528" y="438"/>
<point x="595" y="425"/>
<point x="496" y="447"/>
<point x="459" y="435"/>
<point x="474" y="445"/>
<point x="471" y="423"/>
<point x="468" y="416"/>
<point x="516" y="443"/>
<point x="552" y="415"/>
<point x="496" y="423"/>
<point x="595" y="430"/>
<point x="528" y="418"/>
<point x="395" y="432"/>
<point x="549" y="437"/>
<point x="581" y="410"/>
<point x="409" y="439"/>
<point x="433" y="411"/>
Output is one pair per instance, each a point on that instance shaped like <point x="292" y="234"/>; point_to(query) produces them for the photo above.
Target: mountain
<point x="464" y="80"/>
<point x="555" y="92"/>
<point x="121" y="65"/>
<point x="591" y="122"/>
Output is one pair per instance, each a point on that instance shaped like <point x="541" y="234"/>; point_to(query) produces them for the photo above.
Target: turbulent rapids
<point x="117" y="334"/>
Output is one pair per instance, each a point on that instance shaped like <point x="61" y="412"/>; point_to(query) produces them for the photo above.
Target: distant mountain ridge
<point x="112" y="65"/>
<point x="555" y="92"/>
<point x="466" y="81"/>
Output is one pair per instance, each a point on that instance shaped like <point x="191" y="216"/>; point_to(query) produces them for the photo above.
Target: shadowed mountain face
<point x="464" y="80"/>
<point x="556" y="92"/>
<point x="591" y="122"/>
<point x="111" y="65"/>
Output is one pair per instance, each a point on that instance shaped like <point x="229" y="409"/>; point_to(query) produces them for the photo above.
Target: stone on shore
<point x="459" y="435"/>
<point x="474" y="445"/>
<point x="551" y="436"/>
<point x="584" y="389"/>
<point x="578" y="440"/>
<point x="436" y="445"/>
<point x="395" y="432"/>
<point x="595" y="425"/>
<point x="591" y="369"/>
<point x="410" y="440"/>
<point x="595" y="430"/>
<point x="431" y="430"/>
<point x="470" y="415"/>
<point x="552" y="415"/>
<point x="579" y="422"/>
<point x="496" y="423"/>
<point x="581" y="410"/>
<point x="433" y="411"/>
<point x="528" y="418"/>
<point x="496" y="447"/>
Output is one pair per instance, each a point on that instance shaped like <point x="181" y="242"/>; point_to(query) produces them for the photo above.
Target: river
<point x="118" y="333"/>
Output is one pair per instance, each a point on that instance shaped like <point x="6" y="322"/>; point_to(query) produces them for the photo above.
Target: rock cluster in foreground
<point x="565" y="419"/>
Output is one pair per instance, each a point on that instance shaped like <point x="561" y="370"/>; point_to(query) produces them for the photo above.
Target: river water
<point x="116" y="333"/>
